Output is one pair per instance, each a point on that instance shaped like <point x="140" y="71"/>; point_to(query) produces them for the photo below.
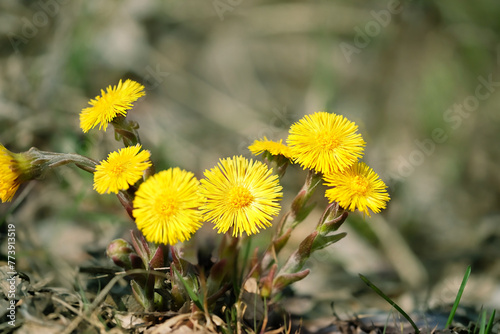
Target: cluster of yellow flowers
<point x="171" y="205"/>
<point x="239" y="193"/>
<point x="329" y="144"/>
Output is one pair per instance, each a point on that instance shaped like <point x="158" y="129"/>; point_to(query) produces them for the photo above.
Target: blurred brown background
<point x="420" y="78"/>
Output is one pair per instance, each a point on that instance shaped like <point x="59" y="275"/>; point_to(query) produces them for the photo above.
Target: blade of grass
<point x="459" y="296"/>
<point x="194" y="297"/>
<point x="390" y="301"/>
<point x="255" y="312"/>
<point x="246" y="255"/>
<point x="229" y="322"/>
<point x="480" y="323"/>
<point x="386" y="322"/>
<point x="489" y="327"/>
<point x="473" y="325"/>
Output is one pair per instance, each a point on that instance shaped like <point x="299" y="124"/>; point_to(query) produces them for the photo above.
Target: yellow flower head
<point x="9" y="175"/>
<point x="242" y="194"/>
<point x="325" y="142"/>
<point x="357" y="187"/>
<point x="16" y="168"/>
<point x="275" y="148"/>
<point x="166" y="206"/>
<point x="122" y="169"/>
<point x="116" y="101"/>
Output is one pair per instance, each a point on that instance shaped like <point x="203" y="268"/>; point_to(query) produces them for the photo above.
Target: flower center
<point x="166" y="205"/>
<point x="328" y="141"/>
<point x="360" y="185"/>
<point x="240" y="197"/>
<point x="117" y="169"/>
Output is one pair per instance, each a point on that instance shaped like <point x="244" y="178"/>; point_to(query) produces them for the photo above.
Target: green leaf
<point x="140" y="295"/>
<point x="490" y="323"/>
<point x="482" y="323"/>
<point x="194" y="297"/>
<point x="286" y="279"/>
<point x="459" y="296"/>
<point x="324" y="241"/>
<point x="390" y="301"/>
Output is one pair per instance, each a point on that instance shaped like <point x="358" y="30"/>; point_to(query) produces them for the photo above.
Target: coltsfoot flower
<point x="16" y="168"/>
<point x="325" y="142"/>
<point x="117" y="100"/>
<point x="357" y="187"/>
<point x="242" y="194"/>
<point x="9" y="175"/>
<point x="121" y="169"/>
<point x="166" y="206"/>
<point x="273" y="147"/>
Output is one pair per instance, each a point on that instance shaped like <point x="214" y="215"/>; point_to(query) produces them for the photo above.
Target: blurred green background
<point x="420" y="78"/>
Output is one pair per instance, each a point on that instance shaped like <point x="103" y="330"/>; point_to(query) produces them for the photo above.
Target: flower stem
<point x="298" y="210"/>
<point x="44" y="160"/>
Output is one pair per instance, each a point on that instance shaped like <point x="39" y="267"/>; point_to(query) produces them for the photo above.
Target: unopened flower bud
<point x="332" y="219"/>
<point x="267" y="282"/>
<point x="120" y="252"/>
<point x="285" y="280"/>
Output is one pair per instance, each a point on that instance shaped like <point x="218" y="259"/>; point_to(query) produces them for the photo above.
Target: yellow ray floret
<point x="275" y="148"/>
<point x="325" y="142"/>
<point x="240" y="194"/>
<point x="9" y="175"/>
<point x="121" y="169"/>
<point x="117" y="100"/>
<point x="166" y="206"/>
<point x="358" y="187"/>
